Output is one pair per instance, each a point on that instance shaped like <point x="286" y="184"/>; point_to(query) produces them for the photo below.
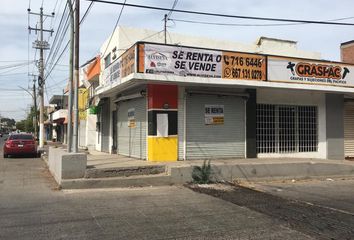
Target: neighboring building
<point x="347" y="56"/>
<point x="59" y="118"/>
<point x="88" y="102"/>
<point x="199" y="98"/>
<point x="48" y="123"/>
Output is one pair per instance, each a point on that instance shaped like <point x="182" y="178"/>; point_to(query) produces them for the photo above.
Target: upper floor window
<point x="107" y="60"/>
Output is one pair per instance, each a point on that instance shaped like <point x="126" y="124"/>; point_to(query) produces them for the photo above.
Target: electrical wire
<point x="61" y="39"/>
<point x="67" y="44"/>
<point x="14" y="65"/>
<point x="11" y="74"/>
<point x="86" y="12"/>
<point x="223" y="15"/>
<point x="59" y="34"/>
<point x="245" y="24"/>
<point x="173" y="7"/>
<point x="115" y="26"/>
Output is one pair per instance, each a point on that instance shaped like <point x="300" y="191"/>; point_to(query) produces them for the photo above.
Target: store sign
<point x="82" y="102"/>
<point x="182" y="61"/>
<point x="112" y="73"/>
<point x="120" y="68"/>
<point x="185" y="61"/>
<point x="131" y="118"/>
<point x="310" y="72"/>
<point x="128" y="62"/>
<point x="244" y="66"/>
<point x="214" y="114"/>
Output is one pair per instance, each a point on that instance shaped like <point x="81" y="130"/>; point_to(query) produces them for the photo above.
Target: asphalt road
<point x="31" y="207"/>
<point x="336" y="193"/>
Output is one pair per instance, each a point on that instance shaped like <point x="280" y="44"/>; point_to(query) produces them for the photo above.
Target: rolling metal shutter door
<point x="105" y="115"/>
<point x="180" y="131"/>
<point x="132" y="141"/>
<point x="349" y="129"/>
<point x="215" y="141"/>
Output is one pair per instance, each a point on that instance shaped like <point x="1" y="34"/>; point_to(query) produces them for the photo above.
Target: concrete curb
<point x="226" y="172"/>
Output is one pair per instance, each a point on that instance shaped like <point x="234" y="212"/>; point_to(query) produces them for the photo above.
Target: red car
<point x="20" y="144"/>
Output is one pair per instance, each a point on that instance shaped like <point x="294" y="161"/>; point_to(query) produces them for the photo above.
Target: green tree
<point x="21" y="125"/>
<point x="27" y="125"/>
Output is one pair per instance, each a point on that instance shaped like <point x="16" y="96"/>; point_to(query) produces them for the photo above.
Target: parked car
<point x="20" y="144"/>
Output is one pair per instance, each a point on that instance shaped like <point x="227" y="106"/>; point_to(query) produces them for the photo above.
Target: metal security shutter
<point x="180" y="131"/>
<point x="349" y="129"/>
<point x="132" y="141"/>
<point x="215" y="141"/>
<point x="105" y="116"/>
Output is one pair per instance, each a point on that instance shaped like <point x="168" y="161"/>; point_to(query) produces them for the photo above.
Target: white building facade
<point x="197" y="98"/>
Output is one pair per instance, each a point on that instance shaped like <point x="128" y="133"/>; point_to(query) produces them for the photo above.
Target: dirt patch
<point x="315" y="221"/>
<point x="52" y="184"/>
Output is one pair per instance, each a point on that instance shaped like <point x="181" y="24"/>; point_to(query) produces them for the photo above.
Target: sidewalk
<point x="112" y="170"/>
<point x="106" y="170"/>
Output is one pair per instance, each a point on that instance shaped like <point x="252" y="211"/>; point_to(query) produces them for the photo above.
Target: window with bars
<point x="286" y="129"/>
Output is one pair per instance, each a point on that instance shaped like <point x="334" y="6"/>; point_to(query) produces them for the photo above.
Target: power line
<point x="223" y="15"/>
<point x="12" y="74"/>
<point x="11" y="89"/>
<point x="67" y="44"/>
<point x="173" y="7"/>
<point x="15" y="65"/>
<point x="245" y="24"/>
<point x="58" y="38"/>
<point x="115" y="26"/>
<point x="60" y="41"/>
<point x="87" y="12"/>
<point x="14" y="61"/>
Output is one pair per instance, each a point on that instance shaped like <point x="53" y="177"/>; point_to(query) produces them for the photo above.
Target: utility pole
<point x="41" y="45"/>
<point x="76" y="77"/>
<point x="34" y="97"/>
<point x="165" y="27"/>
<point x="71" y="68"/>
<point x="35" y="108"/>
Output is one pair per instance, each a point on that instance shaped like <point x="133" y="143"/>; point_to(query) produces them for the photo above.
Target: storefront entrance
<point x="286" y="129"/>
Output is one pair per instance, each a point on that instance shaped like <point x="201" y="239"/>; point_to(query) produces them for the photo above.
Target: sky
<point x="17" y="57"/>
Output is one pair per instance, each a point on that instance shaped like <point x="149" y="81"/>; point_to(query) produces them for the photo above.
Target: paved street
<point x="32" y="208"/>
<point x="332" y="193"/>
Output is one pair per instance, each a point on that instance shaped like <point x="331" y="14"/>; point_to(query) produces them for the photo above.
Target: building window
<point x="107" y="60"/>
<point x="286" y="129"/>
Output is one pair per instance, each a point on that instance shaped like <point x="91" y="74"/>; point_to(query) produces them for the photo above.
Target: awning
<point x="59" y="114"/>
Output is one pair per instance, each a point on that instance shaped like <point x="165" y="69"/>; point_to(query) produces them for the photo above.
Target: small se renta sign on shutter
<point x="131" y="118"/>
<point x="214" y="114"/>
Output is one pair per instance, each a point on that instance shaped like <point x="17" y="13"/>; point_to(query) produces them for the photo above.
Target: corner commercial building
<point x="205" y="99"/>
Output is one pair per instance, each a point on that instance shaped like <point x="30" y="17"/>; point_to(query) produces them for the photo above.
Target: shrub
<point x="202" y="175"/>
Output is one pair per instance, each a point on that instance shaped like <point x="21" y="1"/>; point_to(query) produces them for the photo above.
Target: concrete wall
<point x="347" y="52"/>
<point x="64" y="165"/>
<point x="91" y="140"/>
<point x="251" y="124"/>
<point x="335" y="126"/>
<point x="82" y="134"/>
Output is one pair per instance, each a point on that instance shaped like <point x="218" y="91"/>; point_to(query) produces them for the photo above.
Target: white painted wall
<point x="124" y="37"/>
<point x="295" y="97"/>
<point x="82" y="134"/>
<point x="91" y="120"/>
